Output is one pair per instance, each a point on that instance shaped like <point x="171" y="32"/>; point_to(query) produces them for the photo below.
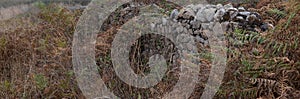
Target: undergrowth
<point x="35" y="60"/>
<point x="268" y="66"/>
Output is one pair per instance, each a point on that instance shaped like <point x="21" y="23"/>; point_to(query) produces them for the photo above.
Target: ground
<point x="36" y="58"/>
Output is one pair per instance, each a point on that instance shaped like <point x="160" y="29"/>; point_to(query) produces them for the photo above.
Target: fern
<point x="289" y="20"/>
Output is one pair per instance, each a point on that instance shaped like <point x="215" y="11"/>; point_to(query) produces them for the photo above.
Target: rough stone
<point x="185" y="30"/>
<point x="264" y="27"/>
<point x="196" y="25"/>
<point x="233" y="14"/>
<point x="219" y="14"/>
<point x="163" y="30"/>
<point x="160" y="28"/>
<point x="186" y="13"/>
<point x="210" y="14"/>
<point x="152" y="26"/>
<point x="191" y="47"/>
<point x="211" y="25"/>
<point x="190" y="6"/>
<point x="164" y="21"/>
<point x="203" y="17"/>
<point x="224" y="25"/>
<point x="206" y="43"/>
<point x="197" y="32"/>
<point x="183" y="38"/>
<point x="240" y="18"/>
<point x="241" y="9"/>
<point x="197" y="7"/>
<point x="228" y="6"/>
<point x="205" y="25"/>
<point x="244" y="13"/>
<point x="219" y="6"/>
<point x="169" y="29"/>
<point x="210" y="6"/>
<point x="190" y="31"/>
<point x="174" y="14"/>
<point x="179" y="29"/>
<point x="185" y="25"/>
<point x="233" y="9"/>
<point x="199" y="39"/>
<point x="251" y="18"/>
<point x="200" y="16"/>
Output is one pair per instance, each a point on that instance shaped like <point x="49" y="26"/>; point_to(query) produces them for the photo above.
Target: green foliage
<point x="255" y="52"/>
<point x="65" y="83"/>
<point x="296" y="42"/>
<point x="139" y="96"/>
<point x="40" y="81"/>
<point x="3" y="42"/>
<point x="260" y="40"/>
<point x="62" y="43"/>
<point x="247" y="64"/>
<point x="248" y="93"/>
<point x="207" y="56"/>
<point x="7" y="85"/>
<point x="278" y="13"/>
<point x="241" y="37"/>
<point x="43" y="44"/>
<point x="239" y="31"/>
<point x="40" y="4"/>
<point x="289" y="20"/>
<point x="70" y="73"/>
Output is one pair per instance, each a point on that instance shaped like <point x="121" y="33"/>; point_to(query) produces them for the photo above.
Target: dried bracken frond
<point x="262" y="84"/>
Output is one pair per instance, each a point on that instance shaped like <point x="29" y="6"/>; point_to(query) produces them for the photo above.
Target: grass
<point x="3" y="42"/>
<point x="278" y="13"/>
<point x="289" y="20"/>
<point x="40" y="81"/>
<point x="36" y="60"/>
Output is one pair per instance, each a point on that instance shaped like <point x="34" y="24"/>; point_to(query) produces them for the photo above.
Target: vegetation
<point x="35" y="57"/>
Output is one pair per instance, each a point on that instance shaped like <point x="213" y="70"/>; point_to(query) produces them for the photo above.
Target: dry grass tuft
<point x="36" y="59"/>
